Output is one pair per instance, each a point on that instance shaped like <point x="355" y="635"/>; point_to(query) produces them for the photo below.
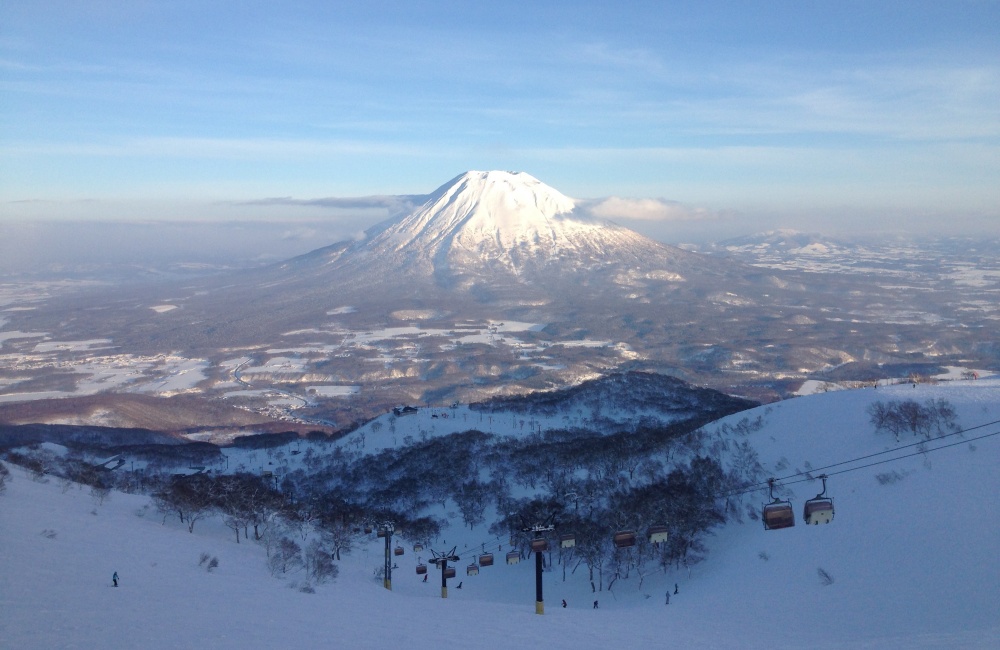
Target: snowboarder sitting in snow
<point x="114" y="578"/>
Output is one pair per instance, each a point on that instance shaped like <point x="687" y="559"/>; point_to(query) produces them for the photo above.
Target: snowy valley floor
<point x="913" y="560"/>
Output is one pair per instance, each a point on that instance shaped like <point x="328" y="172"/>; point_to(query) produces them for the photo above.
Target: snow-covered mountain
<point x="789" y="242"/>
<point x="489" y="227"/>
<point x="491" y="212"/>
<point x="908" y="561"/>
<point x="414" y="312"/>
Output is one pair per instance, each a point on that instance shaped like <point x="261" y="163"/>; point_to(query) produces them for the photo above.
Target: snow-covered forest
<point x="912" y="539"/>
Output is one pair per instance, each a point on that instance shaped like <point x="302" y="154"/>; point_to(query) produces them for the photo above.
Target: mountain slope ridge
<point x="911" y="562"/>
<point x="491" y="226"/>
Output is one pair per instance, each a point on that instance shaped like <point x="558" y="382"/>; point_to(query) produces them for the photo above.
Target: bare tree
<point x="191" y="497"/>
<point x="338" y="537"/>
<point x="319" y="562"/>
<point x="245" y="500"/>
<point x="286" y="556"/>
<point x="919" y="419"/>
<point x="4" y="477"/>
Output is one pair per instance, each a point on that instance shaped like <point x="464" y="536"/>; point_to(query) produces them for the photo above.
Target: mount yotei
<point x="500" y="284"/>
<point x="500" y="240"/>
<point x="486" y="229"/>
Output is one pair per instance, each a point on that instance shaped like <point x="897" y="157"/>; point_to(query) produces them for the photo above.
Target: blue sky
<point x="811" y="115"/>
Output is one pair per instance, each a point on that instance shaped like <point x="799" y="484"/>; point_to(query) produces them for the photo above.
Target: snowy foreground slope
<point x="913" y="558"/>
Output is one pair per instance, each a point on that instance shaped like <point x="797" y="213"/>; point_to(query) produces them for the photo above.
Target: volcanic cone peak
<point x="499" y="220"/>
<point x="505" y="209"/>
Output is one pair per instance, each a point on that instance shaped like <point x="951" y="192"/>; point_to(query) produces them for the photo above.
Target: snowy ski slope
<point x="913" y="559"/>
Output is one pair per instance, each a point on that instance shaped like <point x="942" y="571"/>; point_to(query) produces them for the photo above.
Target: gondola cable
<point x="786" y="480"/>
<point x="819" y="510"/>
<point x="807" y="475"/>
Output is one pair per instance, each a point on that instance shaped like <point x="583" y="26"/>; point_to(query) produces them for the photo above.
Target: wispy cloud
<point x="806" y="106"/>
<point x="393" y="204"/>
<point x="615" y="207"/>
<point x="251" y="148"/>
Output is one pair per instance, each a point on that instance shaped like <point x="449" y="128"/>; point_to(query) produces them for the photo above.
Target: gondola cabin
<point x="513" y="557"/>
<point x="398" y="550"/>
<point x="539" y="544"/>
<point x="472" y="570"/>
<point x="567" y="541"/>
<point x="421" y="569"/>
<point x="486" y="559"/>
<point x="418" y="547"/>
<point x="624" y="539"/>
<point x="818" y="511"/>
<point x="658" y="534"/>
<point x="449" y="572"/>
<point x="778" y="515"/>
<point x="368" y="530"/>
<point x="380" y="533"/>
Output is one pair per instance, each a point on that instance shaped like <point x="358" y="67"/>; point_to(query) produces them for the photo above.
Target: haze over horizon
<point x="669" y="119"/>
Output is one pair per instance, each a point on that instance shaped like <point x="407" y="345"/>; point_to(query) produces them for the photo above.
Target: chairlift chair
<point x="418" y="547"/>
<point x="539" y="544"/>
<point x="818" y="510"/>
<point x="513" y="557"/>
<point x="472" y="569"/>
<point x="380" y="533"/>
<point x="486" y="559"/>
<point x="658" y="534"/>
<point x="398" y="550"/>
<point x="567" y="540"/>
<point x="421" y="569"/>
<point x="449" y="572"/>
<point x="624" y="539"/>
<point x="777" y="514"/>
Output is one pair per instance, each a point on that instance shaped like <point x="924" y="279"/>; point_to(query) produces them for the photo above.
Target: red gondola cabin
<point x="778" y="515"/>
<point x="624" y="539"/>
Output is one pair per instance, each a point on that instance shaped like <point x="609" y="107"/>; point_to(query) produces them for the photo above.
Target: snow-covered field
<point x="912" y="555"/>
<point x="97" y="370"/>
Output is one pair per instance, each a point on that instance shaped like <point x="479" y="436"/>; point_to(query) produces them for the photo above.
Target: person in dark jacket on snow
<point x="114" y="578"/>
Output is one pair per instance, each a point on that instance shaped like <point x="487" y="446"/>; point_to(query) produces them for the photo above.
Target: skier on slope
<point x="114" y="578"/>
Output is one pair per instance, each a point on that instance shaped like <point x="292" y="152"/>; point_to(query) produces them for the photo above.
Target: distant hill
<point x="628" y="396"/>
